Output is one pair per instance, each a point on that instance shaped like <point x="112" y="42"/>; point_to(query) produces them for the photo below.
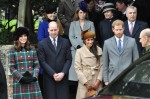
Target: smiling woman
<point x="24" y="66"/>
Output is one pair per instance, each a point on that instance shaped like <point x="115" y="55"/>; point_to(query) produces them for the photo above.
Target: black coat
<point x="55" y="61"/>
<point x="105" y="31"/>
<point x="138" y="27"/>
<point x="3" y="83"/>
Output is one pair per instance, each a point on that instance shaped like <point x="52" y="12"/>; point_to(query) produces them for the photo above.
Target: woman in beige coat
<point x="88" y="65"/>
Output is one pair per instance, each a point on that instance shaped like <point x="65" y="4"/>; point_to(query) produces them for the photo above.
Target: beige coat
<point x="87" y="69"/>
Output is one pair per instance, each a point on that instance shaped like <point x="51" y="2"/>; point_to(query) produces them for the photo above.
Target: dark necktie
<point x="119" y="45"/>
<point x="54" y="43"/>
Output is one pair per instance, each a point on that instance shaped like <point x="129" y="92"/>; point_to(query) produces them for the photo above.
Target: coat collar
<point x="87" y="53"/>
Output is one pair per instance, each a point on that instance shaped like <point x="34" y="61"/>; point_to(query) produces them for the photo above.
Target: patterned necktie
<point x="54" y="43"/>
<point x="119" y="45"/>
<point x="131" y="28"/>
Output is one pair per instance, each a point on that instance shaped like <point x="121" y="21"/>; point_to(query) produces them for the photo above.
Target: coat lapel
<point x="86" y="26"/>
<point x="127" y="29"/>
<point x="59" y="45"/>
<point x="125" y="42"/>
<point x="136" y="27"/>
<point x="49" y="42"/>
<point x="114" y="45"/>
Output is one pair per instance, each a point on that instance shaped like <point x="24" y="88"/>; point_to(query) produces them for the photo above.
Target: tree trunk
<point x="21" y="13"/>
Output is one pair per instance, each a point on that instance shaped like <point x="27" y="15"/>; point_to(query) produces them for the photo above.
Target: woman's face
<point x="23" y="39"/>
<point x="89" y="42"/>
<point x="81" y="15"/>
<point x="52" y="16"/>
<point x="108" y="14"/>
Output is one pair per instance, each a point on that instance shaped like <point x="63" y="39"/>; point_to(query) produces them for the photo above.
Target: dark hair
<point x="93" y="49"/>
<point x="122" y="1"/>
<point x="18" y="46"/>
<point x="88" y="1"/>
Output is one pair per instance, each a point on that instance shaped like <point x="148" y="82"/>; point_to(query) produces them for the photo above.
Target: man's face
<point x="120" y="6"/>
<point x="118" y="31"/>
<point x="53" y="29"/>
<point x="143" y="40"/>
<point x="90" y="5"/>
<point x="131" y="14"/>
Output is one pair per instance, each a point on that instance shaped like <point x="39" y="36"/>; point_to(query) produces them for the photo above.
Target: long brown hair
<point x="93" y="49"/>
<point x="18" y="47"/>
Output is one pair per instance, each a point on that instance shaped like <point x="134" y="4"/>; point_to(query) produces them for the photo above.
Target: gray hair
<point x="146" y="32"/>
<point x="131" y="7"/>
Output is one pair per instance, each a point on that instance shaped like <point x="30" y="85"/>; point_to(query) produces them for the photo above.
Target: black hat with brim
<point x="20" y="31"/>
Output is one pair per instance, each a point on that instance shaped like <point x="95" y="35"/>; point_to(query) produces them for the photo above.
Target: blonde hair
<point x="117" y="23"/>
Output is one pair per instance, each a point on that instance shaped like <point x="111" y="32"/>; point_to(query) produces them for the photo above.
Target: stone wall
<point x="4" y="59"/>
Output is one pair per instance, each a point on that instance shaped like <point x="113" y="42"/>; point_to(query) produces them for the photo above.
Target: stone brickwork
<point x="4" y="59"/>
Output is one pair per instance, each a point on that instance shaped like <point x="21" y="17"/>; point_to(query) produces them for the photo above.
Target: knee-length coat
<point x="19" y="63"/>
<point x="88" y="68"/>
<point x="76" y="39"/>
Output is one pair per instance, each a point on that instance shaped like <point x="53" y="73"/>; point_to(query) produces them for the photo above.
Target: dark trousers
<point x="73" y="89"/>
<point x="40" y="79"/>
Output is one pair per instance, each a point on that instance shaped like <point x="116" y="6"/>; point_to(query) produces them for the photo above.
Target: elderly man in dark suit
<point x="55" y="58"/>
<point x="133" y="27"/>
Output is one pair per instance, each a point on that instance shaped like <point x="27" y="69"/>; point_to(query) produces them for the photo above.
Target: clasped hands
<point x="27" y="80"/>
<point x="58" y="76"/>
<point x="95" y="86"/>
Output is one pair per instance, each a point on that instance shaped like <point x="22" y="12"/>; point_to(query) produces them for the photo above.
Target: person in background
<point x="24" y="66"/>
<point x="145" y="39"/>
<point x="93" y="15"/>
<point x="50" y="14"/>
<point x="3" y="83"/>
<point x="105" y="29"/>
<point x="55" y="58"/>
<point x="66" y="11"/>
<point x="133" y="27"/>
<point x="88" y="65"/>
<point x="118" y="53"/>
<point x="121" y="6"/>
<point x="80" y="24"/>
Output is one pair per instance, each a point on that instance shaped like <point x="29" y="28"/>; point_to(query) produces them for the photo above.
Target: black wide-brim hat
<point x="20" y="31"/>
<point x="50" y="9"/>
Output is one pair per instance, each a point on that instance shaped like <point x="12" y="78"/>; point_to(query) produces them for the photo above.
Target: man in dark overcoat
<point x="3" y="83"/>
<point x="55" y="58"/>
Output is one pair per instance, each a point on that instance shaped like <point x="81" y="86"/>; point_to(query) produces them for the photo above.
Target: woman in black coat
<point x="3" y="83"/>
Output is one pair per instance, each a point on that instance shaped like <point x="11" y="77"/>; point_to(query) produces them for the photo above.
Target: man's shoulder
<point x="44" y="40"/>
<point x="129" y="38"/>
<point x="63" y="39"/>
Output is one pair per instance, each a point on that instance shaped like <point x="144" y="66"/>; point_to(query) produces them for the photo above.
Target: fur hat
<point x="108" y="6"/>
<point x="83" y="6"/>
<point x="50" y="9"/>
<point x="20" y="31"/>
<point x="87" y="34"/>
